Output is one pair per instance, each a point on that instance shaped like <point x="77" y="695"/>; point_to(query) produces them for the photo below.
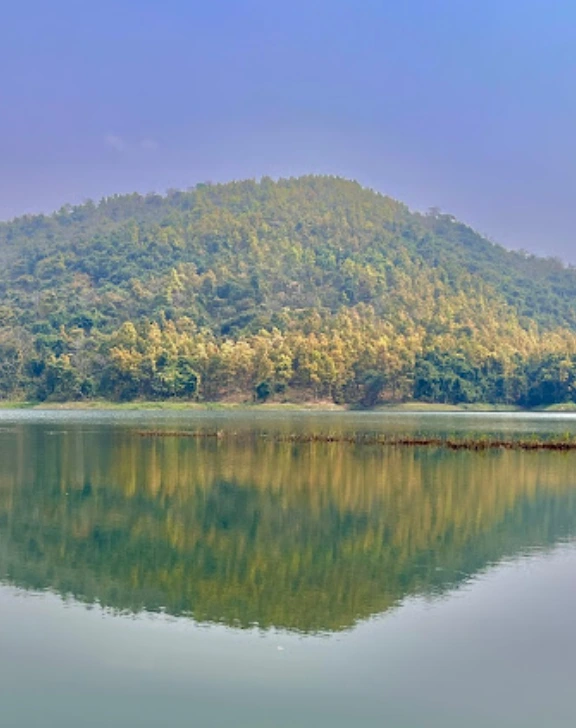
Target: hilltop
<point x="301" y="288"/>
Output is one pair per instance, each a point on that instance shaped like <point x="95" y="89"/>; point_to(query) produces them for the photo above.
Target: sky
<point x="458" y="104"/>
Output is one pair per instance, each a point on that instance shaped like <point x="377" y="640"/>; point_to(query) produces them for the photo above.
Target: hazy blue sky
<point x="465" y="105"/>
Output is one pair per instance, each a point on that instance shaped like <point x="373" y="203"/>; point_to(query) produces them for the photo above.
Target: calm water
<point x="258" y="584"/>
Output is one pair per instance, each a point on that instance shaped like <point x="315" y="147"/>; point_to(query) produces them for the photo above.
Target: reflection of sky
<point x="499" y="651"/>
<point x="465" y="105"/>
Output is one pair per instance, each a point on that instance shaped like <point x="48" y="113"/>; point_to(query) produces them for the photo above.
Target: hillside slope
<point x="312" y="285"/>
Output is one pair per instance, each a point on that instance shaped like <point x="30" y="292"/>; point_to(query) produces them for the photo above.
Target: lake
<point x="255" y="583"/>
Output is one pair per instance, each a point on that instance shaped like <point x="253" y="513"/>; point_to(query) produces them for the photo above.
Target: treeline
<point x="353" y="358"/>
<point x="302" y="288"/>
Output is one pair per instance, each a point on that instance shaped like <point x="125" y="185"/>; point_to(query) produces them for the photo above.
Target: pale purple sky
<point x="469" y="106"/>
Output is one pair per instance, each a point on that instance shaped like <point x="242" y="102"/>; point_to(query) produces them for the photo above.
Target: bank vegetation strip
<point x="565" y="442"/>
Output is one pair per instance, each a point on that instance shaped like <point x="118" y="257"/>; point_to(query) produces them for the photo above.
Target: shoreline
<point x="314" y="406"/>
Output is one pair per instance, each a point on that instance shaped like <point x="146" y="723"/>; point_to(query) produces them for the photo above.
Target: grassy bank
<point x="178" y="405"/>
<point x="172" y="405"/>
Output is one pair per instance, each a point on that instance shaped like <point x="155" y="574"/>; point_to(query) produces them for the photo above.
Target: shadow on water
<point x="310" y="537"/>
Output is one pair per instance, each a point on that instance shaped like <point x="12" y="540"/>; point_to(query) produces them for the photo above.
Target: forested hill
<point x="309" y="287"/>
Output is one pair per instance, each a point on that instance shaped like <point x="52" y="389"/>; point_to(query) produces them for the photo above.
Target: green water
<point x="255" y="583"/>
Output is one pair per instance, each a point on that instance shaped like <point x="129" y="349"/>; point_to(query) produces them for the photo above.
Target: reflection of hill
<point x="311" y="538"/>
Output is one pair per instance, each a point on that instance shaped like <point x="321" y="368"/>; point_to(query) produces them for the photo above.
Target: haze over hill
<point x="302" y="288"/>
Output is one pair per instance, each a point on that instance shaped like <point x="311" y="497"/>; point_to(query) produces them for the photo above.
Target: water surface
<point x="173" y="581"/>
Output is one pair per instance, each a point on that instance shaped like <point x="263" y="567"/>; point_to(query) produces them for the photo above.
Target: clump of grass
<point x="565" y="442"/>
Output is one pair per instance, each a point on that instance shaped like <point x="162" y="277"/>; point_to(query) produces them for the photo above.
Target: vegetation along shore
<point x="484" y="442"/>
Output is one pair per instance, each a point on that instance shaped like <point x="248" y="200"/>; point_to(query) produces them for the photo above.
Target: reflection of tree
<point x="311" y="537"/>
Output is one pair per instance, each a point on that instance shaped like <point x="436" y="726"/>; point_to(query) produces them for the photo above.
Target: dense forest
<point x="301" y="289"/>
